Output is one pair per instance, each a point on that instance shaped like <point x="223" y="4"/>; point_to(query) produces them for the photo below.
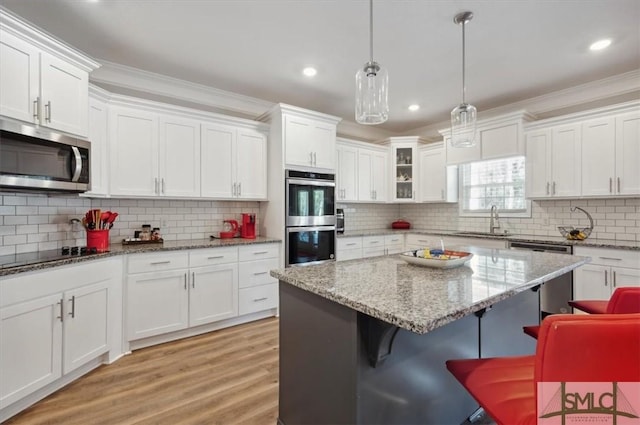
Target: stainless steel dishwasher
<point x="555" y="293"/>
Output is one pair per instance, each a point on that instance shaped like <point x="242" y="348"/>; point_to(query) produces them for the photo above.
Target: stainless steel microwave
<point x="35" y="159"/>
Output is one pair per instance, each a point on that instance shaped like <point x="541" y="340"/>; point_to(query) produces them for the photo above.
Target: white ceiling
<point x="516" y="49"/>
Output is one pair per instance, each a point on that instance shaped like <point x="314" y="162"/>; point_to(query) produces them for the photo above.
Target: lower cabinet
<point x="609" y="269"/>
<point x="258" y="290"/>
<point x="351" y="248"/>
<point x="51" y="325"/>
<point x="213" y="294"/>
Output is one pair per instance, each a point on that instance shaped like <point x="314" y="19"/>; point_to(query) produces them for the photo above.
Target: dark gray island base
<point x="365" y="341"/>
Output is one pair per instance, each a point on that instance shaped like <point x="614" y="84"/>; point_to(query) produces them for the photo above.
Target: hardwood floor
<point x="225" y="377"/>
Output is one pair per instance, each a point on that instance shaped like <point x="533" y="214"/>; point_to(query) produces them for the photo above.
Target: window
<point x="499" y="182"/>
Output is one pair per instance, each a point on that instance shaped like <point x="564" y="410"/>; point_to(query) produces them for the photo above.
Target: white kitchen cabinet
<point x="39" y="87"/>
<point x="438" y="182"/>
<point x="553" y="162"/>
<point x="233" y="163"/>
<point x="393" y="244"/>
<point x="309" y="143"/>
<point x="348" y="248"/>
<point x="418" y="241"/>
<point x="347" y="173"/>
<point x="213" y="294"/>
<point x="627" y="176"/>
<point x="372" y="176"/>
<point x="598" y="157"/>
<point x="178" y="157"/>
<point x="609" y="269"/>
<point x="98" y="136"/>
<point x="30" y="347"/>
<point x="452" y="242"/>
<point x="404" y="172"/>
<point x="372" y="246"/>
<point x="258" y="289"/>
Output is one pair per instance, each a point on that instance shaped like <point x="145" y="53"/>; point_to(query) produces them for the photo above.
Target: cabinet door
<point x="537" y="164"/>
<point x="565" y="161"/>
<point x="347" y="174"/>
<point x="592" y="282"/>
<point x="628" y="154"/>
<point x="379" y="176"/>
<point x="432" y="175"/>
<point x="65" y="95"/>
<point x="86" y="324"/>
<point x="214" y="294"/>
<point x="98" y="133"/>
<point x="598" y="157"/>
<point x="19" y="78"/>
<point x="623" y="277"/>
<point x="297" y="135"/>
<point x="404" y="174"/>
<point x="365" y="170"/>
<point x="179" y="160"/>
<point x="500" y="142"/>
<point x="30" y="347"/>
<point x="157" y="303"/>
<point x="323" y="146"/>
<point x="217" y="161"/>
<point x="133" y="141"/>
<point x="251" y="165"/>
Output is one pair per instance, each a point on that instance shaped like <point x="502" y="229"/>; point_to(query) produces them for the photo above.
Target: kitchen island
<point x="365" y="341"/>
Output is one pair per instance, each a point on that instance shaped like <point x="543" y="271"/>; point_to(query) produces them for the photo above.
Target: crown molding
<point x="136" y="79"/>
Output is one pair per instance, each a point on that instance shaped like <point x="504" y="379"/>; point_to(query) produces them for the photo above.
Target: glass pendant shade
<point x="463" y="126"/>
<point x="372" y="88"/>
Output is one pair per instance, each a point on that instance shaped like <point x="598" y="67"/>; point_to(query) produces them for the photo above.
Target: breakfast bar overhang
<point x="365" y="341"/>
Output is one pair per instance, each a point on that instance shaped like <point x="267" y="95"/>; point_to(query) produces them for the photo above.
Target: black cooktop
<point x="30" y="258"/>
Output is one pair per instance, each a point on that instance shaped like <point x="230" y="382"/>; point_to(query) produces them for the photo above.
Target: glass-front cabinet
<point x="404" y="172"/>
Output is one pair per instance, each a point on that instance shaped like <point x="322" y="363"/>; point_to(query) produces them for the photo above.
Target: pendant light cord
<point x="464" y="87"/>
<point x="371" y="30"/>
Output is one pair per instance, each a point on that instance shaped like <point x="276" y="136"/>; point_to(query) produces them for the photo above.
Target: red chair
<point x="571" y="348"/>
<point x="624" y="300"/>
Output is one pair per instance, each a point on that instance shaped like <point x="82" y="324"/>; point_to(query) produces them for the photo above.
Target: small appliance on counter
<point x="339" y="220"/>
<point x="230" y="229"/>
<point x="248" y="229"/>
<point x="401" y="224"/>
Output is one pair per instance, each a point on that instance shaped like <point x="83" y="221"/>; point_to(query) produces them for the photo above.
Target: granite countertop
<point x="421" y="299"/>
<point x="559" y="240"/>
<point x="118" y="249"/>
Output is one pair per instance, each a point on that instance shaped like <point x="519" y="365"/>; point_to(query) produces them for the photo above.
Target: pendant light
<point x="463" y="116"/>
<point x="372" y="83"/>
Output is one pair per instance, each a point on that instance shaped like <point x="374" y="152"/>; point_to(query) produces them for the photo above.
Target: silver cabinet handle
<point x="240" y="189"/>
<point x="185" y="281"/>
<point x="155" y="263"/>
<point x="163" y="185"/>
<point x="610" y="185"/>
<point x="548" y="188"/>
<point x="374" y="242"/>
<point x="375" y="194"/>
<point x="611" y="258"/>
<point x="155" y="185"/>
<point x="193" y="280"/>
<point x="260" y="252"/>
<point x="215" y="258"/>
<point x="315" y="158"/>
<point x="351" y="244"/>
<point x="259" y="273"/>
<point x="61" y="317"/>
<point x="73" y="307"/>
<point x="423" y="240"/>
<point x="614" y="279"/>
<point x="618" y="184"/>
<point x="255" y="300"/>
<point x="36" y="109"/>
<point x="47" y="111"/>
<point x="554" y="188"/>
<point x="606" y="278"/>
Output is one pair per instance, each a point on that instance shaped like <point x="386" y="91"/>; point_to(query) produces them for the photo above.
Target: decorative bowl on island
<point x="436" y="258"/>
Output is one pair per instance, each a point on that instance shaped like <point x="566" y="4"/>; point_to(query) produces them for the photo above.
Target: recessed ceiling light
<point x="414" y="107"/>
<point x="600" y="44"/>
<point x="309" y="71"/>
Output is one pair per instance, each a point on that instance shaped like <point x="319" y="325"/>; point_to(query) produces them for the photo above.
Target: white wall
<point x="31" y="223"/>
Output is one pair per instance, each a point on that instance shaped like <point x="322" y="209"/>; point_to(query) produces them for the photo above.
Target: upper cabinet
<point x="361" y="173"/>
<point x="308" y="138"/>
<point x="42" y="81"/>
<point x="438" y="182"/>
<point x="98" y="135"/>
<point x="590" y="154"/>
<point x="499" y="137"/>
<point x="346" y="172"/>
<point x="404" y="170"/>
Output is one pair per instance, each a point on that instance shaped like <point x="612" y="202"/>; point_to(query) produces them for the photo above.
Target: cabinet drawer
<point x="372" y="241"/>
<point x="349" y="243"/>
<point x="258" y="252"/>
<point x="258" y="298"/>
<point x="610" y="257"/>
<point x="423" y="241"/>
<point x="391" y="240"/>
<point x="349" y="254"/>
<point x="208" y="257"/>
<point x="253" y="273"/>
<point x="374" y="251"/>
<point x="153" y="262"/>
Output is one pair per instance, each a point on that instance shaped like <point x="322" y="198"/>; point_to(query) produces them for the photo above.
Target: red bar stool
<point x="571" y="348"/>
<point x="624" y="300"/>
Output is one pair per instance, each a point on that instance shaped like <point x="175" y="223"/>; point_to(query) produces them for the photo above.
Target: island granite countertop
<point x="13" y="264"/>
<point x="421" y="299"/>
<point x="559" y="240"/>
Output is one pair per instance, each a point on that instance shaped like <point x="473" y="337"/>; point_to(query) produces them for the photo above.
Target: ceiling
<point x="516" y="49"/>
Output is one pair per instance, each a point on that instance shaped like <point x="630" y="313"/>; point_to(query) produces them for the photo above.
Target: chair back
<point x="624" y="300"/>
<point x="588" y="348"/>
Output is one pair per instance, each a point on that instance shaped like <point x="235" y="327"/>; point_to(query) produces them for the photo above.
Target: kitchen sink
<point x="493" y="235"/>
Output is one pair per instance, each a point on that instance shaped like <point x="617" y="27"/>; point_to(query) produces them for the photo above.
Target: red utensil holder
<point x="98" y="239"/>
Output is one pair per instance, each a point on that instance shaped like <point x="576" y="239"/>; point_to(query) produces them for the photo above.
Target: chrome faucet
<point x="495" y="219"/>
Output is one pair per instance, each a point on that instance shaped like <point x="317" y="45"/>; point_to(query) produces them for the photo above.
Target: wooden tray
<point x="126" y="242"/>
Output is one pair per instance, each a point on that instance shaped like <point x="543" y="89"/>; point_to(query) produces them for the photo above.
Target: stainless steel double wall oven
<point x="310" y="217"/>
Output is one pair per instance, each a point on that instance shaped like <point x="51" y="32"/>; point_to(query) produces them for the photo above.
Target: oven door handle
<point x="310" y="229"/>
<point x="311" y="182"/>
